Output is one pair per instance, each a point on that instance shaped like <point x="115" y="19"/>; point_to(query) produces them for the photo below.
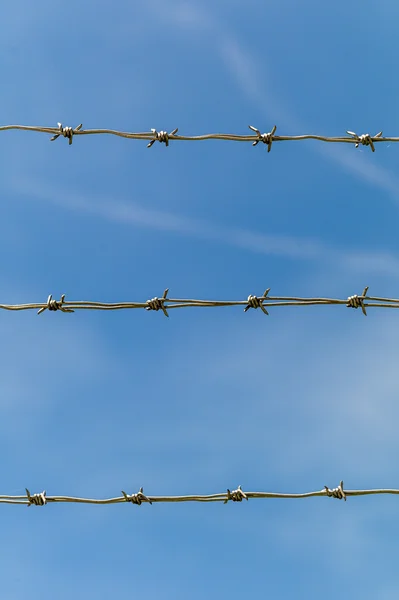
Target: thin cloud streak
<point x="366" y="171"/>
<point x="284" y="246"/>
<point x="134" y="214"/>
<point x="244" y="70"/>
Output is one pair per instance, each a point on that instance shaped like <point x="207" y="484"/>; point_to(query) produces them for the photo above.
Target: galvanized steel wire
<point x="164" y="137"/>
<point x="237" y="495"/>
<point x="165" y="304"/>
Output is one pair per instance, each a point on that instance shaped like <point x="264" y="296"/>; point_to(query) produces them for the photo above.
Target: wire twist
<point x="138" y="498"/>
<point x="266" y="138"/>
<point x="337" y="492"/>
<point x="358" y="301"/>
<point x="257" y="302"/>
<point x="364" y="139"/>
<point x="36" y="499"/>
<point x="54" y="305"/>
<point x="162" y="136"/>
<point x="66" y="132"/>
<point x="236" y="495"/>
<point x="158" y="303"/>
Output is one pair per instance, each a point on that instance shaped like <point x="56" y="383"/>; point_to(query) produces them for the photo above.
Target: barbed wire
<point x="41" y="499"/>
<point x="164" y="137"/>
<point x="165" y="304"/>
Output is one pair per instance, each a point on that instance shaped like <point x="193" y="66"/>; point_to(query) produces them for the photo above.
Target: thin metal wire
<point x="40" y="499"/>
<point x="164" y="137"/>
<point x="165" y="304"/>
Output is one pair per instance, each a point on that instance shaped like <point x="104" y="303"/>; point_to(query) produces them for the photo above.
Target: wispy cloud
<point x="365" y="170"/>
<point x="245" y="71"/>
<point x="284" y="246"/>
<point x="180" y="13"/>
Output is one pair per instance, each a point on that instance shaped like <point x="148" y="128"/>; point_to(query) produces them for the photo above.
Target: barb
<point x="54" y="305"/>
<point x="66" y="132"/>
<point x="358" y="301"/>
<point x="256" y="302"/>
<point x="266" y="138"/>
<point x="36" y="499"/>
<point x="365" y="139"/>
<point x="235" y="496"/>
<point x="138" y="498"/>
<point x="337" y="492"/>
<point x="161" y="136"/>
<point x="158" y="303"/>
<point x="166" y="304"/>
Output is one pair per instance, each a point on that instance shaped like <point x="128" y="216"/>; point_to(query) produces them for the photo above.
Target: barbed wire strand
<point x="41" y="499"/>
<point x="165" y="304"/>
<point x="164" y="137"/>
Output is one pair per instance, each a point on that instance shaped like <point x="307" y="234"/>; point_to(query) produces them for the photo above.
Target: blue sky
<point x="93" y="403"/>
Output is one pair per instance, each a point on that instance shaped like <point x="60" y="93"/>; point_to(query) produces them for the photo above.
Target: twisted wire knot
<point x="337" y="492"/>
<point x="236" y="495"/>
<point x="66" y="132"/>
<point x="257" y="302"/>
<point x="158" y="303"/>
<point x="138" y="498"/>
<point x="358" y="301"/>
<point x="365" y="139"/>
<point x="36" y="499"/>
<point x="161" y="136"/>
<point x="266" y="138"/>
<point x="54" y="305"/>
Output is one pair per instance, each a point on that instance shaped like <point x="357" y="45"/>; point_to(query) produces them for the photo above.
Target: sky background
<point x="94" y="402"/>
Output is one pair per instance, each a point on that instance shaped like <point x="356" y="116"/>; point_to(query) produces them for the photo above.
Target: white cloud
<point x="286" y="246"/>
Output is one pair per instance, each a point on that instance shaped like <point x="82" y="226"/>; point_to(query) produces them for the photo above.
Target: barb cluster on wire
<point x="40" y="499"/>
<point x="165" y="304"/>
<point x="164" y="137"/>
